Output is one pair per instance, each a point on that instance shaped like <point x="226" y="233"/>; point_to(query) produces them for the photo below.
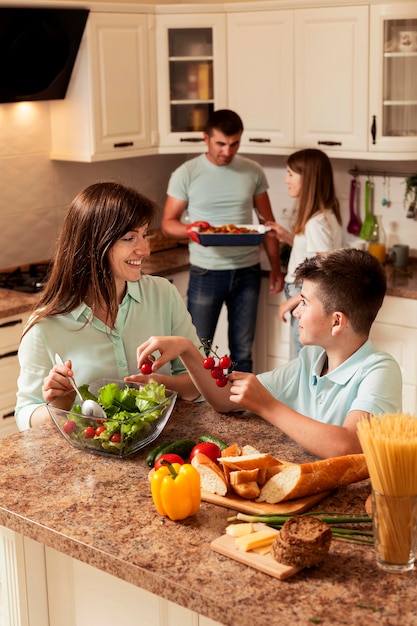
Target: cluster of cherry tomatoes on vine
<point x="217" y="365"/>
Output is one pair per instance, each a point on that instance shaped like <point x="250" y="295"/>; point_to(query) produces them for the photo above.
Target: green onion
<point x="334" y="520"/>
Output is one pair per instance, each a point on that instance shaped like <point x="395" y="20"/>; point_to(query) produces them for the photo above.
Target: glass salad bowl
<point x="137" y="414"/>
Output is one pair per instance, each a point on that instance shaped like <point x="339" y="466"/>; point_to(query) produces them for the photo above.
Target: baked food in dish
<point x="303" y="541"/>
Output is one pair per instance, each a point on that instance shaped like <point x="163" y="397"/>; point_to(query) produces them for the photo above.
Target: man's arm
<point x="171" y="224"/>
<point x="271" y="243"/>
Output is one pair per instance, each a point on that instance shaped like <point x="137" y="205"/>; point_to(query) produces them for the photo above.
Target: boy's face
<point x="315" y="326"/>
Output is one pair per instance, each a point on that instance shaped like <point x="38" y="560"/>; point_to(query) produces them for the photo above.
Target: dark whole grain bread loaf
<point x="302" y="542"/>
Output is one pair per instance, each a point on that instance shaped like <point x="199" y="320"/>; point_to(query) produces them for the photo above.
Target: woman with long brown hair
<point x="97" y="307"/>
<point x="318" y="224"/>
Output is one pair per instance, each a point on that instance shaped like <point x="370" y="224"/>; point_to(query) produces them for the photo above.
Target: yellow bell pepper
<point x="176" y="490"/>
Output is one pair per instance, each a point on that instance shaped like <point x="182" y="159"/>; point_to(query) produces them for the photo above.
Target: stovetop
<point x="30" y="279"/>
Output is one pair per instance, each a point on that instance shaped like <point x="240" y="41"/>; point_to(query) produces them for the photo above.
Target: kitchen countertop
<point x="401" y="283"/>
<point x="100" y="511"/>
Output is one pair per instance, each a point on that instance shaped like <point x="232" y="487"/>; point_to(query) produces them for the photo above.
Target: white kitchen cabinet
<point x="10" y="332"/>
<point x="331" y="78"/>
<point x="393" y="84"/>
<point x="107" y="112"/>
<point x="272" y="338"/>
<point x="395" y="331"/>
<point x="191" y="67"/>
<point x="260" y="61"/>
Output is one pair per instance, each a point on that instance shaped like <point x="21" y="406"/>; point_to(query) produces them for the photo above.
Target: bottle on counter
<point x="377" y="240"/>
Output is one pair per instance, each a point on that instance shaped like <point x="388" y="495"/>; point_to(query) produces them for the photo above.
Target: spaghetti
<point x="389" y="443"/>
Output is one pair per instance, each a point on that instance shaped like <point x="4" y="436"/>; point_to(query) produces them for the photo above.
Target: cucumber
<point x="151" y="456"/>
<point x="210" y="439"/>
<point x="182" y="447"/>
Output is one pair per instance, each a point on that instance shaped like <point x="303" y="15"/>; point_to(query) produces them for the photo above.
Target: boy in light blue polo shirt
<point x="339" y="376"/>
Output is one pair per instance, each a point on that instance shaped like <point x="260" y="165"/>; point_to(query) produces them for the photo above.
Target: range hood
<point x="38" y="48"/>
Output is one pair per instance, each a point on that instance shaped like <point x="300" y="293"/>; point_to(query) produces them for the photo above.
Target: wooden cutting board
<point x="263" y="562"/>
<point x="290" y="507"/>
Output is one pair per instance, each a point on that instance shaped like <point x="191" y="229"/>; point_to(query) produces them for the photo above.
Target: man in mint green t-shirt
<point x="220" y="187"/>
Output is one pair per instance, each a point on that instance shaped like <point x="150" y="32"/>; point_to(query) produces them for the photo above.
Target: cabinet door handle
<point x="7" y="355"/>
<point x="11" y="323"/>
<point x="192" y="139"/>
<point x="259" y="140"/>
<point x="123" y="144"/>
<point x="329" y="143"/>
<point x="373" y="129"/>
<point x="6" y="416"/>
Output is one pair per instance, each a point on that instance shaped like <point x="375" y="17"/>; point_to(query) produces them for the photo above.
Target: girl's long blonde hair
<point x="317" y="186"/>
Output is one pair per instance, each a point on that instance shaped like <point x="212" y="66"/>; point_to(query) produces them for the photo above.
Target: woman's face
<point x="293" y="182"/>
<point x="126" y="256"/>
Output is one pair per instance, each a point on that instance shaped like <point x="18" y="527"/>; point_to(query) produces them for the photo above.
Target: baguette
<point x="307" y="479"/>
<point x="238" y="477"/>
<point x="211" y="476"/>
<point x="249" y="491"/>
<point x="249" y="461"/>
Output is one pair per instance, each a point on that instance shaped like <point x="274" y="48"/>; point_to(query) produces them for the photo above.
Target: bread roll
<point x="211" y="476"/>
<point x="307" y="479"/>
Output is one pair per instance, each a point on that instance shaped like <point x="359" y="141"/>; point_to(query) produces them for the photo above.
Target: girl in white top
<point x="318" y="226"/>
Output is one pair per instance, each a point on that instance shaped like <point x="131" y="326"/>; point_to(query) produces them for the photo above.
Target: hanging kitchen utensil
<point x="369" y="221"/>
<point x="355" y="223"/>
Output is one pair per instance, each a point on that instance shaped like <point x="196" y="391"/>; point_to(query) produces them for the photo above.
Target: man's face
<point x="221" y="148"/>
<point x="315" y="326"/>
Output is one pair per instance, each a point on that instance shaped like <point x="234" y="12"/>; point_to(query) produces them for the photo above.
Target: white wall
<point x="34" y="191"/>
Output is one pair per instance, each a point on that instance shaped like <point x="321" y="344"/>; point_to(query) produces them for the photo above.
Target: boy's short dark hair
<point x="347" y="280"/>
<point x="226" y="121"/>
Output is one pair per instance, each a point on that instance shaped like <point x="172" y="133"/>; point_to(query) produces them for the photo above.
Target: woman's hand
<point x="56" y="385"/>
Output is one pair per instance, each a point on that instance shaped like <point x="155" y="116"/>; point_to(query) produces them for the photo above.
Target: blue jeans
<point x="295" y="345"/>
<point x="239" y="290"/>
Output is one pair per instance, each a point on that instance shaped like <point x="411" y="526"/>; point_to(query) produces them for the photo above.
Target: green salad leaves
<point x="130" y="413"/>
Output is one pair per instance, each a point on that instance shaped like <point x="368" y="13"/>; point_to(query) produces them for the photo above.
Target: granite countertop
<point x="402" y="283"/>
<point x="100" y="511"/>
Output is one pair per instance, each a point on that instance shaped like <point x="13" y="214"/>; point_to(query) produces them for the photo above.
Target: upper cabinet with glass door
<point x="393" y="80"/>
<point x="191" y="61"/>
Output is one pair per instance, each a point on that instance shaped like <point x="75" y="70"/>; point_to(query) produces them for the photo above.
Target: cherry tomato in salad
<point x="208" y="363"/>
<point x="99" y="430"/>
<point x="89" y="432"/>
<point x="69" y="427"/>
<point x="209" y="449"/>
<point x="171" y="458"/>
<point x="115" y="438"/>
<point x="225" y="362"/>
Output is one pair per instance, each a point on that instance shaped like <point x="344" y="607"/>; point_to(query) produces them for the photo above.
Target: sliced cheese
<point x="263" y="550"/>
<point x="239" y="530"/>
<point x="256" y="540"/>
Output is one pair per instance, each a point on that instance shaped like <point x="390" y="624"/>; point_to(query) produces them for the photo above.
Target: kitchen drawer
<point x="9" y="372"/>
<point x="7" y="421"/>
<point x="10" y="332"/>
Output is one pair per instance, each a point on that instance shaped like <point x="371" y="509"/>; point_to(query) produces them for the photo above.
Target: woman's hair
<point x="96" y="219"/>
<point x="347" y="280"/>
<point x="226" y="121"/>
<point x="317" y="186"/>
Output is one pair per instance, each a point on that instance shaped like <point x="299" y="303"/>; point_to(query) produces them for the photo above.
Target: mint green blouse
<point x="151" y="306"/>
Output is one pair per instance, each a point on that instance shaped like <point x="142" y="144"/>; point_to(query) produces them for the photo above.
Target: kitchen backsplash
<point x="35" y="191"/>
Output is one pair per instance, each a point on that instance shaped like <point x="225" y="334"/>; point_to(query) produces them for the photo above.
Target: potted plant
<point x="410" y="194"/>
